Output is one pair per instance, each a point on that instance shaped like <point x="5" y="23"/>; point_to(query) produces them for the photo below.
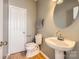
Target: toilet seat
<point x="30" y="46"/>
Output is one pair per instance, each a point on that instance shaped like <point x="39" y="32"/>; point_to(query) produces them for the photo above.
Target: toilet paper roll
<point x="38" y="39"/>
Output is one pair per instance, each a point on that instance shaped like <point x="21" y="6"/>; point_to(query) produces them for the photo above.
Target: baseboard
<point x="44" y="55"/>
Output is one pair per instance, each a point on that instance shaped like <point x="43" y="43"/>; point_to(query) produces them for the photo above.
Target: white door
<point x="1" y="27"/>
<point x="17" y="29"/>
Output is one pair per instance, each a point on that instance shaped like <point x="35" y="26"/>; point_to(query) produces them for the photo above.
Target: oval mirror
<point x="66" y="13"/>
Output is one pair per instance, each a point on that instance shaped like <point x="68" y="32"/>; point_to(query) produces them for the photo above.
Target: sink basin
<point x="56" y="44"/>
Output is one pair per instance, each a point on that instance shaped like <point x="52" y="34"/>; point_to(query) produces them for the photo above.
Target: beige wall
<point x="30" y="5"/>
<point x="45" y="10"/>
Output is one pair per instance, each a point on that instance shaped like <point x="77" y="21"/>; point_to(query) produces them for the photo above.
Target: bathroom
<point x="41" y="19"/>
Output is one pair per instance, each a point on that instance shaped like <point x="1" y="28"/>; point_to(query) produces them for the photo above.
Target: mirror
<point x="65" y="14"/>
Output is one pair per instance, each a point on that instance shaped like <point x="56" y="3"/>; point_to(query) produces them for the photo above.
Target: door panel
<point x="17" y="29"/>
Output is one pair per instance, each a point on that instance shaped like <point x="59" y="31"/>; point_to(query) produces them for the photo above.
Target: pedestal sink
<point x="60" y="46"/>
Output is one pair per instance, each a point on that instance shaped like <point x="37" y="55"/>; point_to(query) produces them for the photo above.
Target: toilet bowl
<point x="32" y="49"/>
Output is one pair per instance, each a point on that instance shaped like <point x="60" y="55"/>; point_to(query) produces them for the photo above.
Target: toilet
<point x="33" y="48"/>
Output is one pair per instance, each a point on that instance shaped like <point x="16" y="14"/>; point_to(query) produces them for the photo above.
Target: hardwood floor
<point x="22" y="55"/>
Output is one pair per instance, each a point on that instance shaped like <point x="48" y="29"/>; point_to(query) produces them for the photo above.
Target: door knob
<point x="3" y="43"/>
<point x="23" y="32"/>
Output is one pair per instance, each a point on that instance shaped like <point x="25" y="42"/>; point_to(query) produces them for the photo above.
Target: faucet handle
<point x="59" y="35"/>
<point x="58" y="32"/>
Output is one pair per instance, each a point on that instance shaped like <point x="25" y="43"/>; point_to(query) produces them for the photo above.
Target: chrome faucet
<point x="59" y="35"/>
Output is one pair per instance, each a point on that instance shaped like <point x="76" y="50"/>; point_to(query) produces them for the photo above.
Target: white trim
<point x="44" y="55"/>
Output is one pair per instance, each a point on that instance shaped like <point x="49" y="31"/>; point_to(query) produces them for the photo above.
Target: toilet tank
<point x="38" y="39"/>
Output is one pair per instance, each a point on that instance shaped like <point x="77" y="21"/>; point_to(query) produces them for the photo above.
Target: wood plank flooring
<point x="22" y="55"/>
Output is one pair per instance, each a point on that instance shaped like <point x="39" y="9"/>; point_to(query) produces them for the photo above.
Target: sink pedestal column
<point x="59" y="54"/>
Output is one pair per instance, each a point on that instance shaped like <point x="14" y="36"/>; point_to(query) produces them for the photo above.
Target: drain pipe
<point x="65" y="54"/>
